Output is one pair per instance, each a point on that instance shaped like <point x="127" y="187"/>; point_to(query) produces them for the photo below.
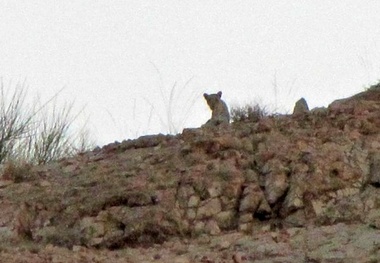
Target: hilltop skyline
<point x="121" y="60"/>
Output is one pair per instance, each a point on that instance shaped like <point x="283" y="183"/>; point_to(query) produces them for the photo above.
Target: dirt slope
<point x="302" y="188"/>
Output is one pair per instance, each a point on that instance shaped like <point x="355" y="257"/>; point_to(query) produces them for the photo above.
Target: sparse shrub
<point x="33" y="248"/>
<point x="17" y="172"/>
<point x="36" y="132"/>
<point x="50" y="137"/>
<point x="252" y="113"/>
<point x="368" y="128"/>
<point x="64" y="236"/>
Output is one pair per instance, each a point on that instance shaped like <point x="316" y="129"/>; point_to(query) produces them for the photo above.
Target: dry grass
<point x="37" y="132"/>
<point x="245" y="113"/>
<point x="17" y="172"/>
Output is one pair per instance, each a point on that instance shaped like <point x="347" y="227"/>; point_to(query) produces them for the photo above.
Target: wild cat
<point x="219" y="109"/>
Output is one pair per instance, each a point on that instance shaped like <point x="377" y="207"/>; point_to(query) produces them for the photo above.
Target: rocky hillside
<point x="288" y="188"/>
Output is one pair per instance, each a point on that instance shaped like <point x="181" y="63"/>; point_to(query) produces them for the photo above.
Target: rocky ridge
<point x="288" y="188"/>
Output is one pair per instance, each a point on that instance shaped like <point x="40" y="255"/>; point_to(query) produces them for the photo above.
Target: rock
<point x="224" y="244"/>
<point x="318" y="207"/>
<point x="374" y="172"/>
<point x="300" y="107"/>
<point x="111" y="148"/>
<point x="232" y="190"/>
<point x="45" y="183"/>
<point x="239" y="257"/>
<point x="247" y="145"/>
<point x="139" y="199"/>
<point x="113" y="237"/>
<point x="206" y="259"/>
<point x="191" y="214"/>
<point x="339" y="106"/>
<point x="193" y="201"/>
<point x="296" y="219"/>
<point x="246" y="218"/>
<point x="25" y="219"/>
<point x="319" y="111"/>
<point x="263" y="211"/>
<point x="182" y="259"/>
<point x="95" y="241"/>
<point x="373" y="219"/>
<point x="5" y="183"/>
<point x="245" y="227"/>
<point x="209" y="208"/>
<point x="6" y="234"/>
<point x="294" y="198"/>
<point x="226" y="219"/>
<point x="70" y="169"/>
<point x="212" y="228"/>
<point x="147" y="197"/>
<point x="149" y="141"/>
<point x="251" y="176"/>
<point x="252" y="196"/>
<point x="264" y="125"/>
<point x="199" y="227"/>
<point x="92" y="229"/>
<point x="341" y="193"/>
<point x="228" y="142"/>
<point x="215" y="190"/>
<point x="191" y="133"/>
<point x="293" y="231"/>
<point x="276" y="181"/>
<point x="184" y="194"/>
<point x="78" y="249"/>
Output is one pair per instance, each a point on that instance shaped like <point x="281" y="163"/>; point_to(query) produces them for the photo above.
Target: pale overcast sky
<point x="121" y="59"/>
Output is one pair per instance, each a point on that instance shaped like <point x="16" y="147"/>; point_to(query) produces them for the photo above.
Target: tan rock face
<point x="301" y="107"/>
<point x="275" y="180"/>
<point x="278" y="173"/>
<point x="374" y="172"/>
<point x="209" y="209"/>
<point x="251" y="199"/>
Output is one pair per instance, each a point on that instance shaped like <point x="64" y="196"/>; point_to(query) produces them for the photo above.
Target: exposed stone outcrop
<point x="374" y="169"/>
<point x="281" y="175"/>
<point x="301" y="107"/>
